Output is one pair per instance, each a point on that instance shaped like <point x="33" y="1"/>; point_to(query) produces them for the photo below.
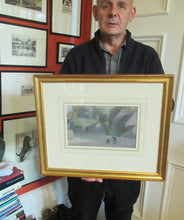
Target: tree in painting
<point x="102" y="125"/>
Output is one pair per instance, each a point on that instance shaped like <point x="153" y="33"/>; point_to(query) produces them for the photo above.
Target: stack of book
<point x="10" y="205"/>
<point x="7" y="180"/>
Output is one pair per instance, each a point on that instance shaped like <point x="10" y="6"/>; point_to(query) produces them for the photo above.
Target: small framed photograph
<point x="32" y="10"/>
<point x="105" y="126"/>
<point x="62" y="51"/>
<point x="21" y="139"/>
<point x="22" y="46"/>
<point x="17" y="92"/>
<point x="66" y="17"/>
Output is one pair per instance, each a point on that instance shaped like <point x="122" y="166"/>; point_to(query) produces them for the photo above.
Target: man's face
<point x="113" y="16"/>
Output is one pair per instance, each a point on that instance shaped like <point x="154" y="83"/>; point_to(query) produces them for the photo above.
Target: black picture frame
<point x="22" y="45"/>
<point x="14" y="132"/>
<point x="17" y="91"/>
<point x="32" y="11"/>
<point x="62" y="51"/>
<point x="66" y="20"/>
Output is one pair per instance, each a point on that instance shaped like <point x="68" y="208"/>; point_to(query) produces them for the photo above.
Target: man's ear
<point x="133" y="13"/>
<point x="95" y="14"/>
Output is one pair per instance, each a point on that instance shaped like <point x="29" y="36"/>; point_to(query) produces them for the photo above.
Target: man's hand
<point x="93" y="179"/>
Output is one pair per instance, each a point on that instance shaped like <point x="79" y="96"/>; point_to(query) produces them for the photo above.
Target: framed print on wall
<point x="105" y="126"/>
<point x="35" y="11"/>
<point x="17" y="92"/>
<point x="66" y="17"/>
<point x="21" y="139"/>
<point x="22" y="46"/>
<point x="62" y="51"/>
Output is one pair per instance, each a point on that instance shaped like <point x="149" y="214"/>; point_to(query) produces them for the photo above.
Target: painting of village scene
<point x="31" y="4"/>
<point x="23" y="46"/>
<point x="104" y="126"/>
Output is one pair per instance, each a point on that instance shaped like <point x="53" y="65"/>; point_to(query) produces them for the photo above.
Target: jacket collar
<point x="97" y="38"/>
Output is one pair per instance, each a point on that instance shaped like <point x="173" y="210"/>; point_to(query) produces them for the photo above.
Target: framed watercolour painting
<point x="66" y="17"/>
<point x="17" y="92"/>
<point x="22" y="46"/>
<point x="107" y="126"/>
<point x="35" y="11"/>
<point x="62" y="51"/>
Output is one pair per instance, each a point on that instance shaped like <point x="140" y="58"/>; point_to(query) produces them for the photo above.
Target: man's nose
<point x="113" y="11"/>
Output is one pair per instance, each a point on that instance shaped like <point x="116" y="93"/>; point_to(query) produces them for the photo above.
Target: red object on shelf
<point x="16" y="172"/>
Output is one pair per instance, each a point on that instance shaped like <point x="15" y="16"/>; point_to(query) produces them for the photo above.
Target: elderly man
<point x="111" y="51"/>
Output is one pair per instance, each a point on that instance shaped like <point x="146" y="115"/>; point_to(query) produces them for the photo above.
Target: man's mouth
<point x="112" y="23"/>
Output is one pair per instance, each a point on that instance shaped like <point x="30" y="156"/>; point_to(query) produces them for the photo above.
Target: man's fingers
<point x="93" y="180"/>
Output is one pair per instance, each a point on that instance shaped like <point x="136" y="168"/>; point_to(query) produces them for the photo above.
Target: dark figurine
<point x="25" y="149"/>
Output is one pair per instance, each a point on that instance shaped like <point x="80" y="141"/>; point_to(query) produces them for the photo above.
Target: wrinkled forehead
<point x="99" y="1"/>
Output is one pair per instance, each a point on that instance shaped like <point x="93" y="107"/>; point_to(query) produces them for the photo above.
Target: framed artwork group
<point x="20" y="133"/>
<point x="26" y="46"/>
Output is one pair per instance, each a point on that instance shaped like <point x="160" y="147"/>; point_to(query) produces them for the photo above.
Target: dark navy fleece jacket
<point x="88" y="58"/>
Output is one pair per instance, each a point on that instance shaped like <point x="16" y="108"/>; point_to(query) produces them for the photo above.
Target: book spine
<point x="8" y="204"/>
<point x="11" y="181"/>
<point x="10" y="208"/>
<point x="15" y="215"/>
<point x="10" y="189"/>
<point x="11" y="211"/>
<point x="3" y="199"/>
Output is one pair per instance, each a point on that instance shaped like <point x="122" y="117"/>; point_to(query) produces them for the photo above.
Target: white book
<point x="9" y="189"/>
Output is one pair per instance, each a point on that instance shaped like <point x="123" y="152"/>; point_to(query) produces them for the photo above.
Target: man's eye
<point x="105" y="6"/>
<point x="122" y="6"/>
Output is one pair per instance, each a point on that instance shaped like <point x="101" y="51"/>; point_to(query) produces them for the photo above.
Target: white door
<point x="160" y="24"/>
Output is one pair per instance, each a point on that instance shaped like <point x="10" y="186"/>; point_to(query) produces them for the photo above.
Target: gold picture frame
<point x="107" y="126"/>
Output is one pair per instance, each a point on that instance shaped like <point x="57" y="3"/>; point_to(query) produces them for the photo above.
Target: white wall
<point x="47" y="196"/>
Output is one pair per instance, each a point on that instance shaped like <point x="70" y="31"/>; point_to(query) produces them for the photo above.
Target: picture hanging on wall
<point x="35" y="11"/>
<point x="62" y="51"/>
<point x="66" y="17"/>
<point x="22" y="46"/>
<point x="21" y="140"/>
<point x="17" y="92"/>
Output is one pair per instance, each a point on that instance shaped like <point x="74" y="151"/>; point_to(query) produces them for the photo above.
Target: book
<point x="8" y="204"/>
<point x="7" y="197"/>
<point x="11" y="211"/>
<point x="21" y="215"/>
<point x="18" y="214"/>
<point x="11" y="181"/>
<point x="16" y="172"/>
<point x="11" y="205"/>
<point x="10" y="189"/>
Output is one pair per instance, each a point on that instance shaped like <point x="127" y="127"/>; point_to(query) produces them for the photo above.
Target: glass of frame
<point x="27" y="10"/>
<point x="21" y="139"/>
<point x="22" y="46"/>
<point x="17" y="92"/>
<point x="66" y="17"/>
<point x="107" y="126"/>
<point x="62" y="51"/>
